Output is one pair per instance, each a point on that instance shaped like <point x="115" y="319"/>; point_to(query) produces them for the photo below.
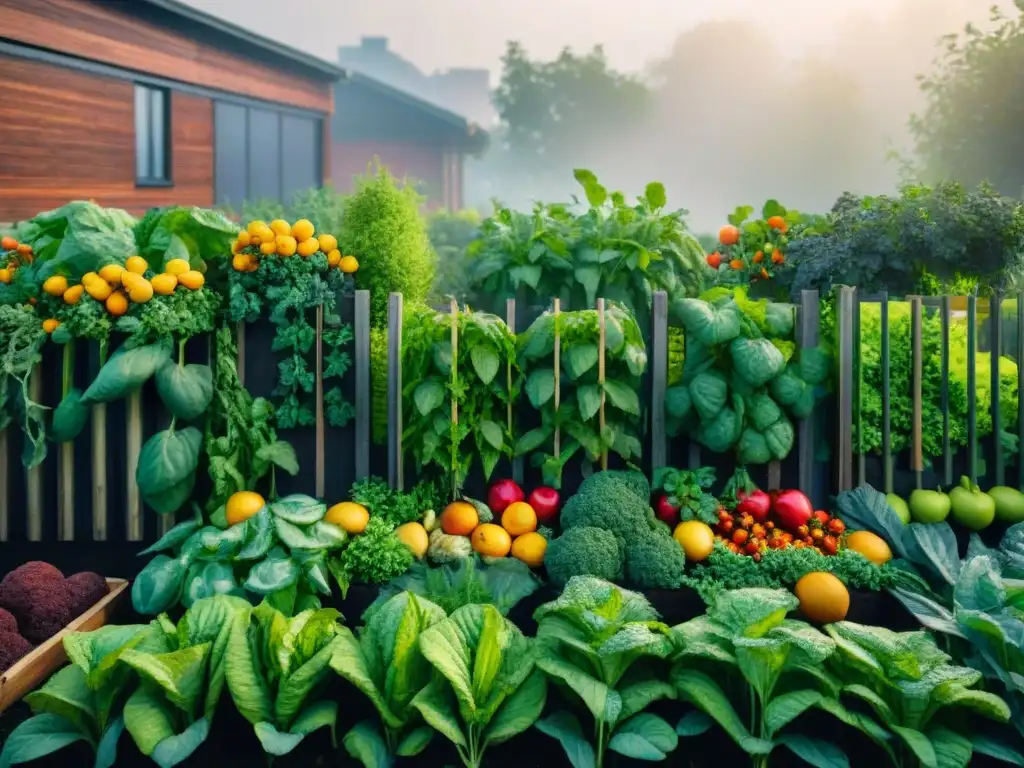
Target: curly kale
<point x="395" y="507"/>
<point x="584" y="551"/>
<point x="376" y="555"/>
<point x="654" y="560"/>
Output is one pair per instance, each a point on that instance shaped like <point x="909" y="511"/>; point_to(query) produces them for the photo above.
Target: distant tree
<point x="972" y="127"/>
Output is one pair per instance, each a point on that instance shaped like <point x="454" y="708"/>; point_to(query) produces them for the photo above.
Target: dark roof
<point x="433" y="110"/>
<point x="239" y="40"/>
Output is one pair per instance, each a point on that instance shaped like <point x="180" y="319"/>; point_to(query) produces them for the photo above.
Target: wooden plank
<point x="996" y="320"/>
<point x="98" y="417"/>
<point x="133" y="446"/>
<point x="320" y="460"/>
<point x="396" y="469"/>
<point x="34" y="477"/>
<point x="601" y="334"/>
<point x="517" y="461"/>
<point x="809" y="330"/>
<point x="972" y="387"/>
<point x="844" y="452"/>
<point x="659" y="379"/>
<point x="66" y="459"/>
<point x="5" y="501"/>
<point x="917" y="383"/>
<point x="363" y="391"/>
<point x="558" y="377"/>
<point x="947" y="449"/>
<point x="887" y="468"/>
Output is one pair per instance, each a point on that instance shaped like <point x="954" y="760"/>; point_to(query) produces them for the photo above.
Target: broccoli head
<point x="636" y="481"/>
<point x="584" y="551"/>
<point x="85" y="590"/>
<point x="654" y="560"/>
<point x="7" y="622"/>
<point x="608" y="500"/>
<point x="12" y="647"/>
<point x="37" y="596"/>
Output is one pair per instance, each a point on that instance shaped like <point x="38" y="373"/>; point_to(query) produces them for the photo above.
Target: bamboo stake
<point x="600" y="379"/>
<point x="917" y="449"/>
<point x="558" y="398"/>
<point x="35" y="475"/>
<point x="99" y="462"/>
<point x="133" y="447"/>
<point x="66" y="460"/>
<point x="456" y="485"/>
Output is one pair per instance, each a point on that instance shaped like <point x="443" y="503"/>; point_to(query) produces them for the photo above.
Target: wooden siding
<point x="424" y="163"/>
<point x="68" y="135"/>
<point x="106" y="33"/>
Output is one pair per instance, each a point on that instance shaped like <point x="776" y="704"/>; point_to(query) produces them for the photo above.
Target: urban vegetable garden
<point x="579" y="488"/>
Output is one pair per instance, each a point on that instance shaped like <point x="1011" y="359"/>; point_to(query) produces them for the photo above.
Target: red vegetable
<point x="793" y="509"/>
<point x="836" y="526"/>
<point x="821" y="516"/>
<point x="502" y="494"/>
<point x="665" y="510"/>
<point x="757" y="504"/>
<point x="545" y="503"/>
<point x="829" y="545"/>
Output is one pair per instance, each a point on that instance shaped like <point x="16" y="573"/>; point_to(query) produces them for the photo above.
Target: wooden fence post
<point x="917" y="385"/>
<point x="972" y="385"/>
<point x="858" y="391"/>
<point x="99" y="459"/>
<point x="34" y="476"/>
<point x="66" y="458"/>
<point x="887" y="468"/>
<point x="659" y="379"/>
<point x="396" y="468"/>
<point x="363" y="392"/>
<point x="133" y="447"/>
<point x="947" y="449"/>
<point x="844" y="454"/>
<point x="809" y="331"/>
<point x="996" y="347"/>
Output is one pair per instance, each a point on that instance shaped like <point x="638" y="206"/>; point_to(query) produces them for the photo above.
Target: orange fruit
<point x="73" y="294"/>
<point x="696" y="538"/>
<point x="280" y="227"/>
<point x="99" y="289"/>
<point x="729" y="235"/>
<point x="243" y="238"/>
<point x="777" y="222"/>
<point x="327" y="243"/>
<point x="241" y="262"/>
<point x="176" y="267"/>
<point x="6" y="275"/>
<point x="871" y="545"/>
<point x="255" y="227"/>
<point x="164" y="284"/>
<point x="414" y="536"/>
<point x="8" y="243"/>
<point x="519" y="518"/>
<point x="334" y="258"/>
<point x="112" y="273"/>
<point x="142" y="292"/>
<point x="243" y="505"/>
<point x="349" y="516"/>
<point x="459" y="518"/>
<point x="24" y="249"/>
<point x="117" y="304"/>
<point x="736" y="264"/>
<point x="269" y="248"/>
<point x="777" y="257"/>
<point x="308" y="247"/>
<point x="759" y="257"/>
<point x="348" y="264"/>
<point x="136" y="264"/>
<point x="303" y="229"/>
<point x="131" y="279"/>
<point x="530" y="548"/>
<point x="56" y="285"/>
<point x="50" y="325"/>
<point x="286" y="245"/>
<point x="823" y="597"/>
<point x="491" y="540"/>
<point x="192" y="280"/>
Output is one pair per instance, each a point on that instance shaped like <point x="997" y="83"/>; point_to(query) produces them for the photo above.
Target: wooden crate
<point x="29" y="673"/>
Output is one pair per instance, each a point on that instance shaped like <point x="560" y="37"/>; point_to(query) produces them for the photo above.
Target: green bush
<point x="451" y="232"/>
<point x="324" y="206"/>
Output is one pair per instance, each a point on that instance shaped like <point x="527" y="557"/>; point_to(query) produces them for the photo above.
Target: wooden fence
<point x="86" y="491"/>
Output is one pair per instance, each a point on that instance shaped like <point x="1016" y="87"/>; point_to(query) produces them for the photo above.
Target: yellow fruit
<point x="241" y="262"/>
<point x="491" y="540"/>
<point x="286" y="245"/>
<point x="50" y="325"/>
<point x="176" y="267"/>
<point x="308" y="247"/>
<point x="254" y="264"/>
<point x="348" y="515"/>
<point x="280" y="227"/>
<point x="56" y="285"/>
<point x="164" y="284"/>
<point x="530" y="548"/>
<point x="89" y="277"/>
<point x="254" y="241"/>
<point x="459" y="518"/>
<point x="99" y="289"/>
<point x="414" y="536"/>
<point x="112" y="273"/>
<point x="73" y="294"/>
<point x="823" y="597"/>
<point x="141" y="293"/>
<point x="334" y="258"/>
<point x="266" y="235"/>
<point x="131" y="279"/>
<point x="268" y="248"/>
<point x="235" y="249"/>
<point x="243" y="238"/>
<point x="327" y="243"/>
<point x="519" y="518"/>
<point x="303" y="230"/>
<point x="117" y="304"/>
<point x="192" y="280"/>
<point x="242" y="505"/>
<point x="136" y="264"/>
<point x="871" y="545"/>
<point x="255" y="227"/>
<point x="6" y="275"/>
<point x="696" y="538"/>
<point x="349" y="264"/>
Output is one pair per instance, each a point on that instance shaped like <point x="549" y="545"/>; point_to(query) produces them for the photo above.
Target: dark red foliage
<point x="36" y="594"/>
<point x="84" y="591"/>
<point x="7" y="622"/>
<point x="12" y="647"/>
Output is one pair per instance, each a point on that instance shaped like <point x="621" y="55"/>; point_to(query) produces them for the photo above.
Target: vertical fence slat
<point x="5" y="469"/>
<point x="809" y="328"/>
<point x="320" y="457"/>
<point x="917" y="383"/>
<point x="34" y="480"/>
<point x="858" y="389"/>
<point x="396" y="473"/>
<point x="947" y="448"/>
<point x="996" y="319"/>
<point x="972" y="383"/>
<point x="66" y="460"/>
<point x="558" y="378"/>
<point x="659" y="379"/>
<point x="133" y="446"/>
<point x="517" y="461"/>
<point x="456" y="482"/>
<point x="99" y="460"/>
<point x="886" y="396"/>
<point x="844" y="454"/>
<point x="1020" y="387"/>
<point x="601" y="330"/>
<point x="363" y="396"/>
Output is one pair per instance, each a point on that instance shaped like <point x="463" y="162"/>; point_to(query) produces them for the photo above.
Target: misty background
<point x="738" y="100"/>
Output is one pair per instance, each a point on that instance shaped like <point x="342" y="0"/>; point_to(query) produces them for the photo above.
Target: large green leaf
<point x="247" y="682"/>
<point x="604" y="702"/>
<point x="299" y="509"/>
<point x="69" y="418"/>
<point x="787" y="707"/>
<point x="644" y="737"/>
<point x="815" y="752"/>
<point x="37" y="737"/>
<point x="640" y="694"/>
<point x="125" y="372"/>
<point x="68" y="695"/>
<point x="704" y="693"/>
<point x="210" y="621"/>
<point x="167" y="467"/>
<point x="485" y="362"/>
<point x="365" y="744"/>
<point x="106" y="750"/>
<point x="322" y="714"/>
<point x="186" y="390"/>
<point x="919" y="744"/>
<point x="519" y="711"/>
<point x="180" y="674"/>
<point x="148" y="718"/>
<point x="438" y="707"/>
<point x="158" y="586"/>
<point x="623" y="397"/>
<point x="180" y="747"/>
<point x="952" y="750"/>
<point x="297" y="686"/>
<point x="566" y="728"/>
<point x="540" y="386"/>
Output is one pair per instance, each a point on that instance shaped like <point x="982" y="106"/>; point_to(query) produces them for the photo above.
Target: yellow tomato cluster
<point x="117" y="285"/>
<point x="14" y="254"/>
<point x="279" y="238"/>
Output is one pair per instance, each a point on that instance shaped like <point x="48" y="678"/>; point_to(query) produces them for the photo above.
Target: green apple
<point x="929" y="506"/>
<point x="899" y="506"/>
<point x="1009" y="504"/>
<point x="972" y="508"/>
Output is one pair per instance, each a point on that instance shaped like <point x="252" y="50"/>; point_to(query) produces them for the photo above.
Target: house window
<point x="152" y="136"/>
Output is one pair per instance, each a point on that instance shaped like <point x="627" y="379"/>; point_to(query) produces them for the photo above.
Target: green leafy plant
<point x="276" y="664"/>
<point x="394" y="506"/>
<point x="386" y="663"/>
<point x="688" y="490"/>
<point x="21" y="341"/>
<point x="451" y="233"/>
<point x="479" y="384"/>
<point x="485" y="689"/>
<point x="759" y="253"/>
<point x="605" y="645"/>
<point x="582" y="393"/>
